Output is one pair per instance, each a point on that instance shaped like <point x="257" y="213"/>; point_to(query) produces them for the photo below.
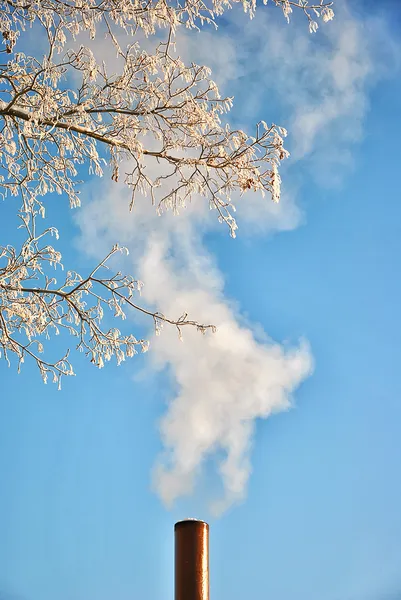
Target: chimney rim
<point x="190" y="521"/>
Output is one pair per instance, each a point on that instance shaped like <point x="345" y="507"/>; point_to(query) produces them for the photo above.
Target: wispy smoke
<point x="223" y="382"/>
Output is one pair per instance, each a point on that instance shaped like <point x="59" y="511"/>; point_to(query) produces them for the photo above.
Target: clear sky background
<point x="320" y="515"/>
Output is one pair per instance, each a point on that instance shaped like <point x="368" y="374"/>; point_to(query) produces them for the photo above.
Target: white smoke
<point x="225" y="380"/>
<point x="222" y="383"/>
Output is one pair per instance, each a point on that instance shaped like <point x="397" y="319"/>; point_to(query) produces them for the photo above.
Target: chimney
<point x="191" y="560"/>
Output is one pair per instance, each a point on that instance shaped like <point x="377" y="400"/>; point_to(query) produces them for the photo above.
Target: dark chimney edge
<point x="186" y="522"/>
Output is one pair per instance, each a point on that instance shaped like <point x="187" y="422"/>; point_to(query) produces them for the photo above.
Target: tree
<point x="62" y="110"/>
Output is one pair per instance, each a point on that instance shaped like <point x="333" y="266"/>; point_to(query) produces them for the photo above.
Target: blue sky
<point x="320" y="517"/>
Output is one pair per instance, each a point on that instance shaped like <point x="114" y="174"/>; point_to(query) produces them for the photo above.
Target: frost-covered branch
<point x="33" y="307"/>
<point x="156" y="109"/>
<point x="70" y="17"/>
<point x="164" y="120"/>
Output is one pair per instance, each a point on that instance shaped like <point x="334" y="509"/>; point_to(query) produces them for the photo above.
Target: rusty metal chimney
<point x="191" y="560"/>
